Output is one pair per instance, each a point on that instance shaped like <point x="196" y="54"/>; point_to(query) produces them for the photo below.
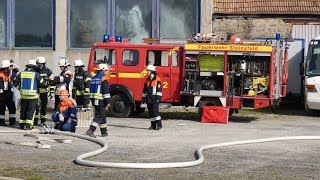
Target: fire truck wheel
<point x="120" y="106"/>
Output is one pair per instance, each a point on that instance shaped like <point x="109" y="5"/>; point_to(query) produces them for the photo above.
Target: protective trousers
<point x="154" y="115"/>
<point x="28" y="109"/>
<point x="43" y="109"/>
<point x="83" y="100"/>
<point x="99" y="120"/>
<point x="10" y="104"/>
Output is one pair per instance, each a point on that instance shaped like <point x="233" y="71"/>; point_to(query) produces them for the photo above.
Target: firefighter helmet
<point x="64" y="92"/>
<point x="5" y="64"/>
<point x="64" y="62"/>
<point x="103" y="67"/>
<point x="78" y="63"/>
<point x="32" y="62"/>
<point x="41" y="60"/>
<point x="151" y="68"/>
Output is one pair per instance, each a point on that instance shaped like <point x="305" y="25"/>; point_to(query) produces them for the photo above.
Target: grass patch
<point x="19" y="173"/>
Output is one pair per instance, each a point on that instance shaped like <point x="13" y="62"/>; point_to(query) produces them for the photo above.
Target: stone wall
<point x="251" y="28"/>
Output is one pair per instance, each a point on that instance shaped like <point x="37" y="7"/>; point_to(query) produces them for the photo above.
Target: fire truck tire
<point x="139" y="110"/>
<point x="120" y="106"/>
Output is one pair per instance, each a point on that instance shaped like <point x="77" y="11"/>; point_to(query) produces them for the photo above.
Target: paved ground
<point x="130" y="141"/>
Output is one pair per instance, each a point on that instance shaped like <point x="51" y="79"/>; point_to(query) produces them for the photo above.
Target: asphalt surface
<point x="130" y="140"/>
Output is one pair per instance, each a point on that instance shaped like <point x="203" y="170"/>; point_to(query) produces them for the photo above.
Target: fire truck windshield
<point x="313" y="59"/>
<point x="105" y="56"/>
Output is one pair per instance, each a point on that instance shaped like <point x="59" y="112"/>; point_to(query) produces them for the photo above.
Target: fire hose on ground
<point x="81" y="158"/>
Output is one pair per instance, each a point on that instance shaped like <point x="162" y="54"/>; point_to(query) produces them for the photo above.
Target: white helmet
<point x="32" y="62"/>
<point x="151" y="68"/>
<point x="5" y="63"/>
<point x="78" y="63"/>
<point x="41" y="60"/>
<point x="103" y="67"/>
<point x="63" y="62"/>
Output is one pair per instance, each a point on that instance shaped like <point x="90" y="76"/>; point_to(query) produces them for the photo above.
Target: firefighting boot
<point x="90" y="131"/>
<point x="159" y="124"/>
<point x="104" y="132"/>
<point x="29" y="127"/>
<point x="35" y="121"/>
<point x="153" y="125"/>
<point x="21" y="125"/>
<point x="12" y="121"/>
<point x="73" y="130"/>
<point x="43" y="120"/>
<point x="2" y="122"/>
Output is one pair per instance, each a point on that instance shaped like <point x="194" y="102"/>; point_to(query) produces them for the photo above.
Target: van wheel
<point x="120" y="106"/>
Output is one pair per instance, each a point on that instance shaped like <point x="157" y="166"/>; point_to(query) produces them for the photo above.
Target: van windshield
<point x="313" y="59"/>
<point x="105" y="56"/>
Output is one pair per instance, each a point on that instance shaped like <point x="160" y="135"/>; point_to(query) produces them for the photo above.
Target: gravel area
<point x="129" y="140"/>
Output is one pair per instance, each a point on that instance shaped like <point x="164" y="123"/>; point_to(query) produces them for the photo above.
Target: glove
<point x="61" y="118"/>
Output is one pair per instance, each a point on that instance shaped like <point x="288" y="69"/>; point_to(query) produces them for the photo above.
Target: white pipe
<point x="80" y="159"/>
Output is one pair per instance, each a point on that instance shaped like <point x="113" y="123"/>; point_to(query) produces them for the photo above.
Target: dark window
<point x="105" y="56"/>
<point x="178" y="18"/>
<point x="3" y="23"/>
<point x="158" y="58"/>
<point x="88" y="22"/>
<point x="33" y="23"/>
<point x="130" y="57"/>
<point x="133" y="19"/>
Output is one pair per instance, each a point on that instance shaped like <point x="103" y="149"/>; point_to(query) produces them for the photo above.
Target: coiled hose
<point x="80" y="159"/>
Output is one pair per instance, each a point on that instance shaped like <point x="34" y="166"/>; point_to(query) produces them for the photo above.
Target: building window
<point x="130" y="57"/>
<point x="33" y="23"/>
<point x="88" y="22"/>
<point x="178" y="18"/>
<point x="133" y="19"/>
<point x="3" y="23"/>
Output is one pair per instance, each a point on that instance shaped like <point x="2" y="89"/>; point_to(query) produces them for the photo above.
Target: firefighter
<point x="152" y="93"/>
<point x="45" y="73"/>
<point x="62" y="81"/>
<point x="28" y="83"/>
<point x="99" y="95"/>
<point x="65" y="117"/>
<point x="6" y="95"/>
<point x="81" y="85"/>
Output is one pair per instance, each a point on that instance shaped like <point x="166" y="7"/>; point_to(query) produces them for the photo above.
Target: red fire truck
<point x="231" y="76"/>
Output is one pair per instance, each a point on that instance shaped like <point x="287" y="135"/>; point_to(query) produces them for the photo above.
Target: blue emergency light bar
<point x="106" y="38"/>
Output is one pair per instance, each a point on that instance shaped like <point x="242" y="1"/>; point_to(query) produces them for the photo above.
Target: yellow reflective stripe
<point x="28" y="121"/>
<point x="96" y="96"/>
<point x="27" y="75"/>
<point x="29" y="97"/>
<point x="43" y="90"/>
<point x="43" y="116"/>
<point x="131" y="75"/>
<point x="28" y="92"/>
<point x="22" y="121"/>
<point x="87" y="79"/>
<point x="103" y="125"/>
<point x="87" y="90"/>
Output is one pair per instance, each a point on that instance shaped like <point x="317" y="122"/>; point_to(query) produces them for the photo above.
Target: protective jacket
<point x="68" y="111"/>
<point x="152" y="91"/>
<point x="6" y="89"/>
<point x="81" y="83"/>
<point x="62" y="81"/>
<point x="29" y="82"/>
<point x="45" y="73"/>
<point x="99" y="90"/>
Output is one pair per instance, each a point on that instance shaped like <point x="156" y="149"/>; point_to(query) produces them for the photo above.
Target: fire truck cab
<point x="229" y="76"/>
<point x="127" y="72"/>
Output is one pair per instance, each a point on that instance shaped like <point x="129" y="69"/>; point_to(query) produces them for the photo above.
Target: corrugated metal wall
<point x="306" y="32"/>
